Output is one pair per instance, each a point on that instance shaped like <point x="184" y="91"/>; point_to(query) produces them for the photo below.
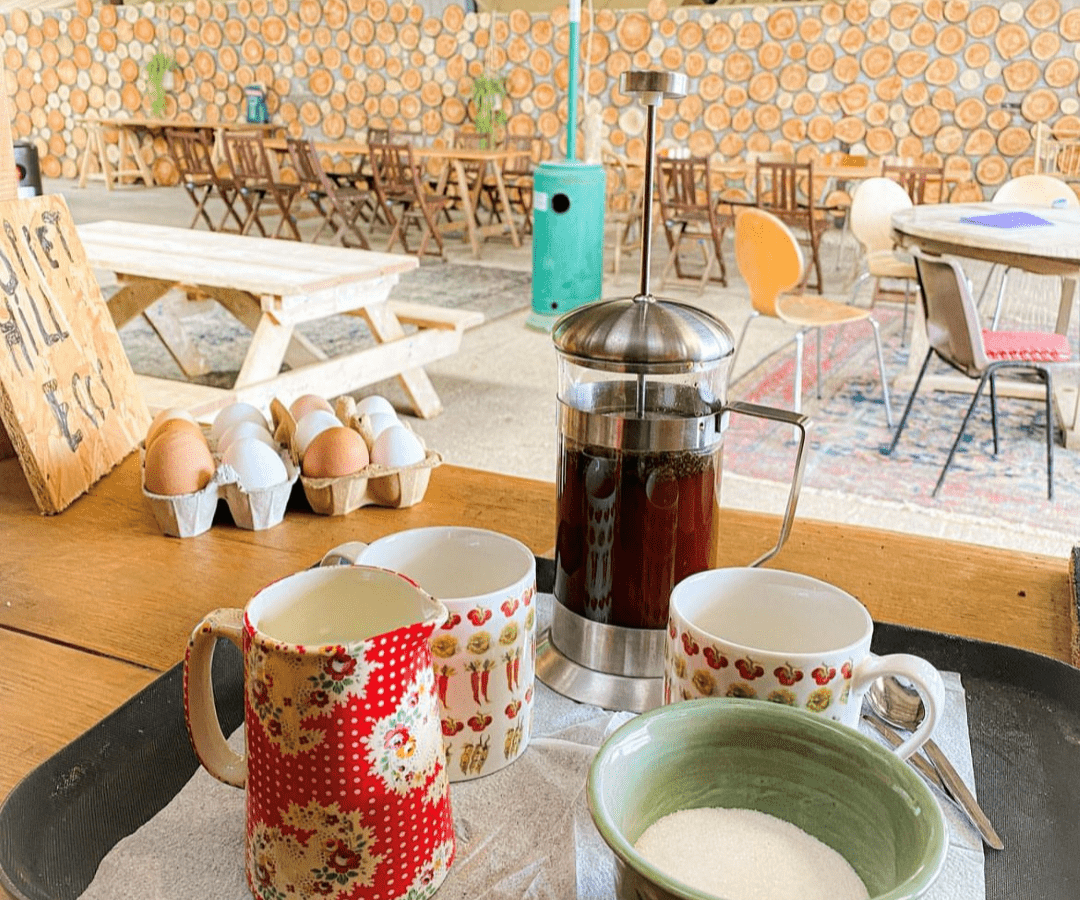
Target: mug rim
<point x="707" y="574"/>
<point x="913" y="886"/>
<point x="529" y="558"/>
<point x="435" y="614"/>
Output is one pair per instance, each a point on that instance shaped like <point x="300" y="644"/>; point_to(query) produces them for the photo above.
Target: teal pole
<point x="571" y="112"/>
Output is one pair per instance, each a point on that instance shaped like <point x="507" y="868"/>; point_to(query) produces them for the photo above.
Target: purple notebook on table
<point x="1007" y="220"/>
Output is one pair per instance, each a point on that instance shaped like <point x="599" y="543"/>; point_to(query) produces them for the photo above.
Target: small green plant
<point x="159" y="64"/>
<point x="488" y="92"/>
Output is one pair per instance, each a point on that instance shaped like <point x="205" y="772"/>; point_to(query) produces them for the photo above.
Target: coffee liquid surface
<point x="631" y="526"/>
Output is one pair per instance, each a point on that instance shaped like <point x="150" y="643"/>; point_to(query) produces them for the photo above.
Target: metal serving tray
<point x="1023" y="716"/>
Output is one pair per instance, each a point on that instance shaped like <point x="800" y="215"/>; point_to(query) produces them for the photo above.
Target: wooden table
<point x="95" y="602"/>
<point x="454" y="159"/>
<point x="130" y="131"/>
<point x="272" y="286"/>
<point x="936" y="228"/>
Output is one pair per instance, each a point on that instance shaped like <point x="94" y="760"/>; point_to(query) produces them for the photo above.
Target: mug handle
<point x="919" y="672"/>
<point x="345" y="554"/>
<point x="200" y="712"/>
<point x="801" y="422"/>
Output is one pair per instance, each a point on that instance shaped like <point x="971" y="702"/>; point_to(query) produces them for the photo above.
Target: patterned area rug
<point x="849" y="437"/>
<point x="223" y="340"/>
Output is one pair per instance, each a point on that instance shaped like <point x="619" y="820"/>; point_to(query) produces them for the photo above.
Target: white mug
<point x="484" y="656"/>
<point x="767" y="634"/>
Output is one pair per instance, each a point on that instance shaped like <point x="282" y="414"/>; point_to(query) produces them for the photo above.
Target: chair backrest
<point x="192" y="151"/>
<point x="619" y="197"/>
<point x="952" y="320"/>
<point x="1036" y="190"/>
<point x="523" y="165"/>
<point x="1057" y="154"/>
<point x="683" y="185"/>
<point x="768" y="256"/>
<point x="923" y="183"/>
<point x="247" y="158"/>
<point x="309" y="168"/>
<point x="875" y="200"/>
<point x="783" y="187"/>
<point x="394" y="171"/>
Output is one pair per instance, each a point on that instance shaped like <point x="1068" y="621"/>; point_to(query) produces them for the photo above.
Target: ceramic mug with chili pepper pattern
<point x="346" y="785"/>
<point x="766" y="634"/>
<point x="484" y="655"/>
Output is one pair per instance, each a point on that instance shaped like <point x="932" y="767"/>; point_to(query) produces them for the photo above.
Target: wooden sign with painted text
<point x="68" y="398"/>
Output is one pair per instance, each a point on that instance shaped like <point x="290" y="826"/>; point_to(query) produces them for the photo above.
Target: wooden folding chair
<point x="398" y="184"/>
<point x="518" y="173"/>
<point x="339" y="205"/>
<point x="784" y="189"/>
<point x="923" y="183"/>
<point x="192" y="151"/>
<point x="257" y="181"/>
<point x="689" y="214"/>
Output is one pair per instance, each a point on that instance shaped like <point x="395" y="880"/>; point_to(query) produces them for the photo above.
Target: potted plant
<point x="488" y="91"/>
<point x="159" y="65"/>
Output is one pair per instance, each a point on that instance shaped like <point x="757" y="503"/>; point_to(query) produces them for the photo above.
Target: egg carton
<point x="396" y="487"/>
<point x="188" y="515"/>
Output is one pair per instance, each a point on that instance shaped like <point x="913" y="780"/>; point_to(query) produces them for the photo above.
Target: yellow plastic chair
<point x="770" y="260"/>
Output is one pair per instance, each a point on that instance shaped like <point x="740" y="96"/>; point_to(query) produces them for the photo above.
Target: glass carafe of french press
<point x="641" y="416"/>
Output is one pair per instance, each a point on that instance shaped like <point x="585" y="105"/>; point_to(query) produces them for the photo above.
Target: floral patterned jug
<point x="347" y="789"/>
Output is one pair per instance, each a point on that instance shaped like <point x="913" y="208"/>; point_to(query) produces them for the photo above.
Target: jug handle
<point x="200" y="713"/>
<point x="801" y="422"/>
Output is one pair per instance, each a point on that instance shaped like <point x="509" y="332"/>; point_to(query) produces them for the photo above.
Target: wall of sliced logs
<point x="956" y="80"/>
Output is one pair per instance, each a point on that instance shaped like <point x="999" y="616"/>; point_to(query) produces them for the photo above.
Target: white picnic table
<point x="271" y="286"/>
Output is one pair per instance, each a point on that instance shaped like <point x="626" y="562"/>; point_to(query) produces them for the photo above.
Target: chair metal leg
<point x="986" y="284"/>
<point x="993" y="411"/>
<point x="739" y="345"/>
<point x="911" y="400"/>
<point x="907" y="300"/>
<point x="1044" y="372"/>
<point x="858" y="284"/>
<point x="960" y="433"/>
<point x="817" y="347"/>
<point x="798" y="370"/>
<point x="881" y="369"/>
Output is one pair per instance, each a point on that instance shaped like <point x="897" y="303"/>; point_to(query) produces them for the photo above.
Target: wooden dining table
<point x="130" y="131"/>
<point x="95" y="603"/>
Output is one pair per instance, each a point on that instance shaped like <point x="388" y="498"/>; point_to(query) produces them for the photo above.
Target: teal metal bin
<point x="568" y="239"/>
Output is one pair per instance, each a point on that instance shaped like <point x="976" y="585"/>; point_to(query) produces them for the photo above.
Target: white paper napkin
<point x="523" y="833"/>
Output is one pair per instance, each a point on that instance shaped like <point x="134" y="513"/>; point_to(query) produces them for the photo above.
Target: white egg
<point x="380" y="422"/>
<point x="316" y="421"/>
<point x="374" y="404"/>
<point x="257" y="465"/>
<point x="243" y="429"/>
<point x="230" y="415"/>
<point x="397" y="446"/>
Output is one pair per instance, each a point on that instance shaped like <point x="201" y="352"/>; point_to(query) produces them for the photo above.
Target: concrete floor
<point x="499" y="390"/>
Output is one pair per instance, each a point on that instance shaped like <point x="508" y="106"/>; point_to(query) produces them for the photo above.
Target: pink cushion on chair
<point x="1026" y="346"/>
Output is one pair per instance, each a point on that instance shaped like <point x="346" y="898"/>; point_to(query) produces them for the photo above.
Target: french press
<point x="641" y="418"/>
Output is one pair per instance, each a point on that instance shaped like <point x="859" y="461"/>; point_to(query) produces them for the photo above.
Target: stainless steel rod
<point x="647" y="195"/>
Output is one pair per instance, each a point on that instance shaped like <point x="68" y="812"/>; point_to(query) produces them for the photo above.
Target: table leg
<point x="1065" y="305"/>
<point x="135" y="296"/>
<point x="129" y="146"/>
<point x="505" y="200"/>
<point x="266" y="352"/>
<point x="385" y="327"/>
<point x="164" y="319"/>
<point x="248" y="311"/>
<point x="466" y="202"/>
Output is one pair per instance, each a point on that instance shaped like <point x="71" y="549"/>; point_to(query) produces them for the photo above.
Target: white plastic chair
<point x="1026" y="190"/>
<point x="872" y="207"/>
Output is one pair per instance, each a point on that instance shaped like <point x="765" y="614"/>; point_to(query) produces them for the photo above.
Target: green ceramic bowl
<point x="829" y="780"/>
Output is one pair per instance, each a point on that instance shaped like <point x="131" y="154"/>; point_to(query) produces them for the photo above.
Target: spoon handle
<point x="960" y="793"/>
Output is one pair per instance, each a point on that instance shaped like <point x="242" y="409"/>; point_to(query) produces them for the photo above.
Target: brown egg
<point x="305" y="403"/>
<point x="171" y="425"/>
<point x="167" y="415"/>
<point x="335" y="452"/>
<point x="178" y="462"/>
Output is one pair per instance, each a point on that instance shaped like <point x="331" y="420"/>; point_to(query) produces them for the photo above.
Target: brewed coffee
<point x="631" y="526"/>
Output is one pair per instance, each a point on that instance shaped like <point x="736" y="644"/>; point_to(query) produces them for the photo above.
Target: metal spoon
<point x="902" y="707"/>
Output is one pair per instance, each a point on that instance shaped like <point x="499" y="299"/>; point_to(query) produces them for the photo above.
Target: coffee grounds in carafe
<point x="631" y="526"/>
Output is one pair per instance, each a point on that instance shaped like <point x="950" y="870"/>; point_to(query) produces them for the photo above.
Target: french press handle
<point x="801" y="422"/>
